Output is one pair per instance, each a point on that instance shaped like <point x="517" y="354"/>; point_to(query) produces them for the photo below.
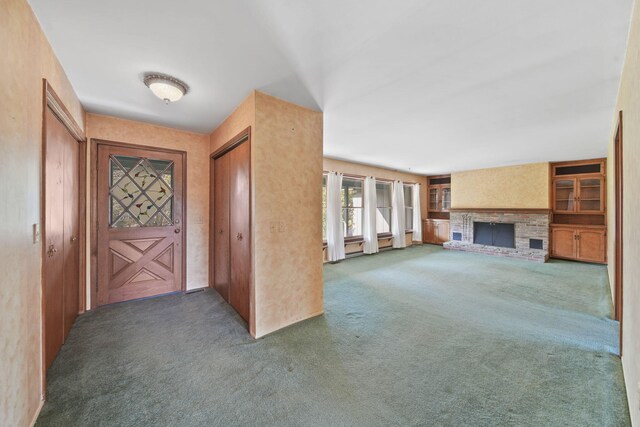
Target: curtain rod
<point x="351" y="175"/>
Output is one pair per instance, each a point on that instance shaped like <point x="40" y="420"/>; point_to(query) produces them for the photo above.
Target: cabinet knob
<point x="239" y="236"/>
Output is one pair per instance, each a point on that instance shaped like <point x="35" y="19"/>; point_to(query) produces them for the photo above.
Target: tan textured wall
<point x="287" y="173"/>
<point x="26" y="58"/>
<point x="286" y="147"/>
<point x="355" y="168"/>
<point x="243" y="116"/>
<point x="197" y="148"/>
<point x="629" y="103"/>
<point x="521" y="186"/>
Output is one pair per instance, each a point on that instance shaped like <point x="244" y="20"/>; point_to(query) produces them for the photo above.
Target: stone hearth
<point x="531" y="230"/>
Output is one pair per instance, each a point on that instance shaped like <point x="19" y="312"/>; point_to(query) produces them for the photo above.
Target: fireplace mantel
<point x="502" y="210"/>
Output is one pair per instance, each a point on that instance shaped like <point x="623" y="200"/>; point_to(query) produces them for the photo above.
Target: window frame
<point x="408" y="208"/>
<point x="355" y="237"/>
<point x="325" y="178"/>
<point x="389" y="184"/>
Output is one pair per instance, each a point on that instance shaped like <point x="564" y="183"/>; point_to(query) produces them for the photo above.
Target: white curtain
<point x="335" y="234"/>
<point x="370" y="207"/>
<point x="398" y="215"/>
<point x="417" y="220"/>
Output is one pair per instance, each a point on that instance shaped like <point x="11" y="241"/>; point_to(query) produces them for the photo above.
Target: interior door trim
<point x="95" y="143"/>
<point x="51" y="100"/>
<point x="619" y="227"/>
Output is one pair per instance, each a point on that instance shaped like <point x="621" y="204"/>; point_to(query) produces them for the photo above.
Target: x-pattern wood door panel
<point x="139" y="223"/>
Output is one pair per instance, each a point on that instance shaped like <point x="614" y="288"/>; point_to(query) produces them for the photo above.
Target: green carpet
<point x="411" y="337"/>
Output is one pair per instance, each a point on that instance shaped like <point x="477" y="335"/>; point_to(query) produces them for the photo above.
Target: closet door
<point x="71" y="246"/>
<point x="221" y="242"/>
<point x="53" y="264"/>
<point x="240" y="238"/>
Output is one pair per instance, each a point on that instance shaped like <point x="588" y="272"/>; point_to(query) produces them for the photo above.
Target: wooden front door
<point x="140" y="223"/>
<point x="61" y="271"/>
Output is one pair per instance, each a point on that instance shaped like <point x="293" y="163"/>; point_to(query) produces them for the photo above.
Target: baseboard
<point x="190" y="291"/>
<point x="37" y="414"/>
<point x="318" y="313"/>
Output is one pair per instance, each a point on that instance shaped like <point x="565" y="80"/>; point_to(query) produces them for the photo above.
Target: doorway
<point x="63" y="222"/>
<point x="618" y="286"/>
<point x="140" y="211"/>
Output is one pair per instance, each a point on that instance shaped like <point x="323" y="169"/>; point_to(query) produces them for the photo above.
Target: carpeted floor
<point x="419" y="336"/>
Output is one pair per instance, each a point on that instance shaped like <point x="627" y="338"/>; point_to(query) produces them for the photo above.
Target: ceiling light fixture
<point x="165" y="87"/>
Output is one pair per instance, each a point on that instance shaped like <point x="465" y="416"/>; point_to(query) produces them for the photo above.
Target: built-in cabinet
<point x="435" y="231"/>
<point x="232" y="226"/>
<point x="578" y="231"/>
<point x="435" y="228"/>
<point x="579" y="243"/>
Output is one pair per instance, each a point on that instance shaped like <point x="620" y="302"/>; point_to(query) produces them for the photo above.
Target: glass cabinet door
<point x="433" y="199"/>
<point x="565" y="195"/>
<point x="590" y="195"/>
<point x="446" y="198"/>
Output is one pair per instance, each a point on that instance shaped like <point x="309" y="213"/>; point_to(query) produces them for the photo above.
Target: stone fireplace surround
<point x="529" y="224"/>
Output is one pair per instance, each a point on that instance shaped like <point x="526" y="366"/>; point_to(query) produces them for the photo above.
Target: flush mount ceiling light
<point x="165" y="87"/>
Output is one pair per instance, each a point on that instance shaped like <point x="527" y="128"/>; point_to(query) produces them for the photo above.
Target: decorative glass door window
<point x="140" y="192"/>
<point x="446" y="199"/>
<point x="590" y="195"/>
<point x="433" y="199"/>
<point x="565" y="195"/>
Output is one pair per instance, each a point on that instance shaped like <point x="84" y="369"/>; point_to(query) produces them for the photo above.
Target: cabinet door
<point x="591" y="245"/>
<point x="563" y="242"/>
<point x="443" y="231"/>
<point x="590" y="195"/>
<point x="428" y="231"/>
<point x="564" y="191"/>
<point x="445" y="197"/>
<point x="433" y="199"/>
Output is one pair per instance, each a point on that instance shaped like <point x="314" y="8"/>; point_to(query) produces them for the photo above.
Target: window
<point x="352" y="203"/>
<point x="408" y="207"/>
<point x="383" y="215"/>
<point x="140" y="192"/>
<point x="324" y="207"/>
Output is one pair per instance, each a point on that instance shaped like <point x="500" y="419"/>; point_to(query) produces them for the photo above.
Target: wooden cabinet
<point x="579" y="210"/>
<point x="435" y="231"/>
<point x="579" y="243"/>
<point x="440" y="198"/>
<point x="583" y="194"/>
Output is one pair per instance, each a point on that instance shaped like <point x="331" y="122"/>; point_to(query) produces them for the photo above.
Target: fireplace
<point x="494" y="234"/>
<point x="517" y="233"/>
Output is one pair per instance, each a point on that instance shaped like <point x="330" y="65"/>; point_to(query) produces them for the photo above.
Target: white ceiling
<point x="430" y="86"/>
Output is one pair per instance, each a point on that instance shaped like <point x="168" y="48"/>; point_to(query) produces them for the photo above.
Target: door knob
<point x="177" y="230"/>
<point x="52" y="250"/>
<point x="239" y="236"/>
<point x="221" y="231"/>
<point x="74" y="238"/>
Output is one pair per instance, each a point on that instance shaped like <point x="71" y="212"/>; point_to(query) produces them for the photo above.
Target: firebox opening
<point x="494" y="234"/>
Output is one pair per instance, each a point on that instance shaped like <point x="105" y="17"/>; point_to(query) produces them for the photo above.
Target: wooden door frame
<point x="51" y="100"/>
<point x="243" y="136"/>
<point x="95" y="143"/>
<point x="619" y="221"/>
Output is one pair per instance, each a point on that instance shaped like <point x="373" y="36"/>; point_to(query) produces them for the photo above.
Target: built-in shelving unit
<point x="578" y="191"/>
<point x="435" y="229"/>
